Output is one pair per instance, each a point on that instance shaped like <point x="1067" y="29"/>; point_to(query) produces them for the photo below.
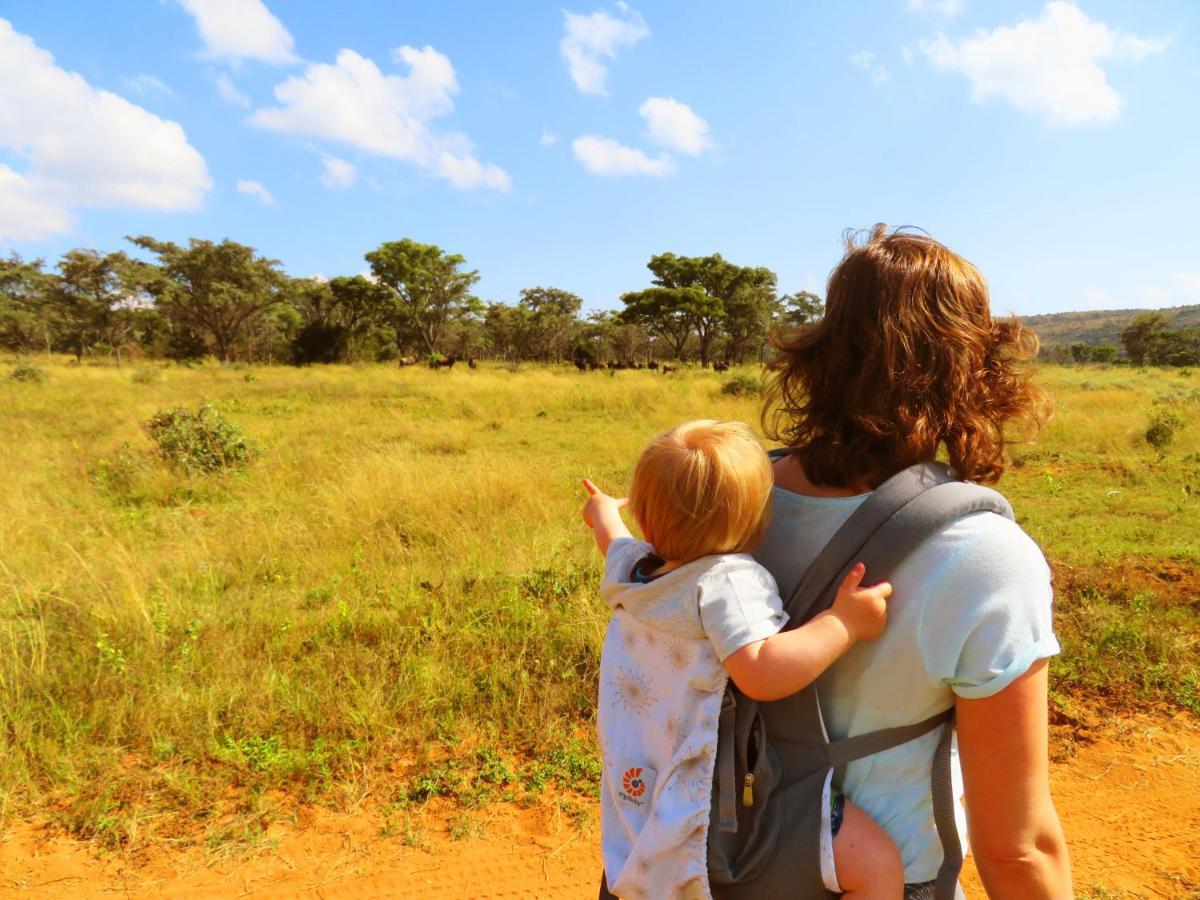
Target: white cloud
<point x="146" y="85"/>
<point x="906" y="53"/>
<point x="256" y="190"/>
<point x="548" y="138"/>
<point x="229" y="92"/>
<point x="82" y="146"/>
<point x="947" y="8"/>
<point x="354" y="103"/>
<point x="338" y="173"/>
<point x="241" y="29"/>
<point x="1049" y="65"/>
<point x="673" y="125"/>
<point x="604" y="156"/>
<point x="865" y="60"/>
<point x="589" y="40"/>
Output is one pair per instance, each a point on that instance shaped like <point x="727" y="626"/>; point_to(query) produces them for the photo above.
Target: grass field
<point x="396" y="596"/>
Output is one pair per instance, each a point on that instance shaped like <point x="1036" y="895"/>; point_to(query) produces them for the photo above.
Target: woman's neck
<point x="790" y="475"/>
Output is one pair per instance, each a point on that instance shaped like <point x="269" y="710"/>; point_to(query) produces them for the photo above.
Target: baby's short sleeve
<point x="623" y="554"/>
<point x="987" y="618"/>
<point x="739" y="604"/>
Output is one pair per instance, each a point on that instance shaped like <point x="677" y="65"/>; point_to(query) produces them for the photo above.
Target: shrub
<point x="146" y="376"/>
<point x="28" y="373"/>
<point x="201" y="441"/>
<point x="742" y="386"/>
<point x="1163" y="425"/>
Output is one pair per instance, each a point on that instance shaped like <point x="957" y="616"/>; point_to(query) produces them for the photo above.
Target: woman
<point x="908" y="362"/>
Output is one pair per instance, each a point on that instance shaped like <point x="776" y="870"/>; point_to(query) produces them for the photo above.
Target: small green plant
<point x="28" y="373"/>
<point x="203" y="441"/>
<point x="742" y="386"/>
<point x="1163" y="426"/>
<point x="146" y="376"/>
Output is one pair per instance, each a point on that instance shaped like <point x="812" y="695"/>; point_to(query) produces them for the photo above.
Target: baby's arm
<point x="602" y="514"/>
<point x="791" y="660"/>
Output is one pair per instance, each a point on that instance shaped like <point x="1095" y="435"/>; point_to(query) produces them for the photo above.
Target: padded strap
<point x="942" y="788"/>
<point x="727" y="766"/>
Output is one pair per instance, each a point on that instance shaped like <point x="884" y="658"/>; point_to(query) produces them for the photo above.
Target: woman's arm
<point x="1016" y="837"/>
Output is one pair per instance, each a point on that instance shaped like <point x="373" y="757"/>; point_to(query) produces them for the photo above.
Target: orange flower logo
<point x="633" y="783"/>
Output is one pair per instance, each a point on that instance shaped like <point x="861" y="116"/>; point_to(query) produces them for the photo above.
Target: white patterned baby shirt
<point x="661" y="683"/>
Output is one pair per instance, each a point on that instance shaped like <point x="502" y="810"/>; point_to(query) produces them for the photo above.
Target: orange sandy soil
<point x="1129" y="799"/>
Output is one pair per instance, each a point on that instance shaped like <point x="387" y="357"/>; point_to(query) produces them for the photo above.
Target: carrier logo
<point x="633" y="783"/>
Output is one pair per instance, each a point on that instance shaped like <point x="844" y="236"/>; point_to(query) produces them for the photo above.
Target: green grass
<point x="398" y="588"/>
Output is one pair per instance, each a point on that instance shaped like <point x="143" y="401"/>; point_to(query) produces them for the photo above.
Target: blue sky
<point x="1054" y="144"/>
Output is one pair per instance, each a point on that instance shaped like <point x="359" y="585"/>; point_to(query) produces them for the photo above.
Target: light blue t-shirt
<point x="970" y="613"/>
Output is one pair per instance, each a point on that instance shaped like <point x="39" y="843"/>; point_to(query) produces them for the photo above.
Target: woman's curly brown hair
<point x="906" y="360"/>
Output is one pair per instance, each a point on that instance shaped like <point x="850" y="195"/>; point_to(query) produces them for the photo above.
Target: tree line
<point x="225" y="300"/>
<point x="1148" y="340"/>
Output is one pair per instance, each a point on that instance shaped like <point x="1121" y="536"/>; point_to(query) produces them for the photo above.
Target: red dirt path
<point x="1130" y="802"/>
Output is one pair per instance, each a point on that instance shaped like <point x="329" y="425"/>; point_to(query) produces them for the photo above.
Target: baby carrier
<point x="773" y="759"/>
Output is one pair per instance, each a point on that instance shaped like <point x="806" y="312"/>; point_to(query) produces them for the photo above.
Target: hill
<point x="1101" y="326"/>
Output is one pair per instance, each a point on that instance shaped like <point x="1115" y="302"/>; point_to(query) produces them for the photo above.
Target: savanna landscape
<point x="362" y="657"/>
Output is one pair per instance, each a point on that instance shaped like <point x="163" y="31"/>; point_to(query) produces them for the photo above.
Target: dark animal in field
<point x="721" y="365"/>
<point x="652" y="365"/>
<point x="638" y="366"/>
<point x="581" y="364"/>
<point x="407" y="361"/>
<point x="667" y="368"/>
<point x="595" y="366"/>
<point x="447" y="363"/>
<point x="471" y="363"/>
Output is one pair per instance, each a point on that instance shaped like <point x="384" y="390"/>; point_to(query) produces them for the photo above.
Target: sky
<point x="1055" y="145"/>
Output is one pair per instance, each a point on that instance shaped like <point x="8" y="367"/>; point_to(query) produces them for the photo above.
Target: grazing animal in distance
<point x="471" y="363"/>
<point x="407" y="361"/>
<point x="668" y="368"/>
<point x="447" y="363"/>
<point x="653" y="364"/>
<point x="721" y="365"/>
<point x="581" y="364"/>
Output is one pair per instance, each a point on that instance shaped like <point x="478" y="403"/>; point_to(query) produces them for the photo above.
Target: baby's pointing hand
<point x="598" y="502"/>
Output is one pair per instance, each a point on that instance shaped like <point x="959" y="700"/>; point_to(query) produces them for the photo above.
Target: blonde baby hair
<point x="700" y="488"/>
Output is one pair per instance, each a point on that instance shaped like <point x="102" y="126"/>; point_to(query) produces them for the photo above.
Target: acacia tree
<point x="430" y="289"/>
<point x="552" y="320"/>
<point x="334" y="313"/>
<point x="25" y="318"/>
<point x="99" y="299"/>
<point x="221" y="291"/>
<point x="801" y="308"/>
<point x="694" y="295"/>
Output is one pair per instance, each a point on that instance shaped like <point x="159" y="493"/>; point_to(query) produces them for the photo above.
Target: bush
<point x="26" y="372"/>
<point x="146" y="376"/>
<point x="742" y="386"/>
<point x="202" y="441"/>
<point x="1163" y="425"/>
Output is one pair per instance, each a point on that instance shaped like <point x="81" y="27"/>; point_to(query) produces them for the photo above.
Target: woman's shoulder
<point x="989" y="544"/>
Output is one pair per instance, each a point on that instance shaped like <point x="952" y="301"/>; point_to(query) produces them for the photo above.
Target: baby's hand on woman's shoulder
<point x="863" y="610"/>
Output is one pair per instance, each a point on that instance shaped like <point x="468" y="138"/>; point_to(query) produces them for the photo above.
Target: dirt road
<point x="1130" y="801"/>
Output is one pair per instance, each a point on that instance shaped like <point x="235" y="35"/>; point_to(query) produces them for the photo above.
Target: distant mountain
<point x="1101" y="326"/>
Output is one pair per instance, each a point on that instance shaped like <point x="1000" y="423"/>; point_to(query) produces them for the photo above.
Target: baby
<point x="692" y="608"/>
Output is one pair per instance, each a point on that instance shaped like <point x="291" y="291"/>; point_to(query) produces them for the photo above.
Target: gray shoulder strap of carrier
<point x="909" y="507"/>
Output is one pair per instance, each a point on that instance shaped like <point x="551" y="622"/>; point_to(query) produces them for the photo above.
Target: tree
<point x="430" y="290"/>
<point x="552" y="320"/>
<point x="100" y="299"/>
<point x="694" y="294"/>
<point x="219" y="291"/>
<point x="335" y="313"/>
<point x="1102" y="353"/>
<point x="1142" y="337"/>
<point x="25" y="318"/>
<point x="802" y="308"/>
<point x="667" y="313"/>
